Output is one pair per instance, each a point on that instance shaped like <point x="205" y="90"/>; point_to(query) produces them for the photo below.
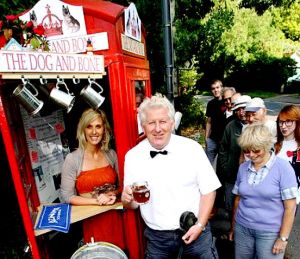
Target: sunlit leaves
<point x="288" y="20"/>
<point x="252" y="37"/>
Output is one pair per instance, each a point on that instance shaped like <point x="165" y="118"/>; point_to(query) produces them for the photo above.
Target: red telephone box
<point x="125" y="73"/>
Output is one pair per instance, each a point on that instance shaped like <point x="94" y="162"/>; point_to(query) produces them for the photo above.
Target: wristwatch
<point x="284" y="239"/>
<point x="200" y="226"/>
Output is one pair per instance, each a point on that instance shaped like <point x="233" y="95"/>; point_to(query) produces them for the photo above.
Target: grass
<point x="261" y="94"/>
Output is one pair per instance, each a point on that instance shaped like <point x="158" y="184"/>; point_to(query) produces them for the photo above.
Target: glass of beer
<point x="141" y="192"/>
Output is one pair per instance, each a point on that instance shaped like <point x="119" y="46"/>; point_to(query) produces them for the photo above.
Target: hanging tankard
<point x="27" y="98"/>
<point x="64" y="99"/>
<point x="91" y="96"/>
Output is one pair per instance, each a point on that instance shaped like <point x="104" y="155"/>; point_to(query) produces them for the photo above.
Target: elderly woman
<point x="90" y="177"/>
<point x="265" y="202"/>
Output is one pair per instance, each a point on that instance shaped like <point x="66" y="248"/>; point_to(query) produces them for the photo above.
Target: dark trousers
<point x="167" y="244"/>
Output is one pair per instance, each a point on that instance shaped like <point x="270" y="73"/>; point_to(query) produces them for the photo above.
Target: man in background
<point x="230" y="151"/>
<point x="215" y="121"/>
<point x="228" y="92"/>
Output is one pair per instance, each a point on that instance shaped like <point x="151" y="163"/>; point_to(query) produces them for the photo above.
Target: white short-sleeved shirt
<point x="287" y="147"/>
<point x="176" y="180"/>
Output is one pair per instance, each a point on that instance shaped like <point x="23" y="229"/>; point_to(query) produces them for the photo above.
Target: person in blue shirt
<point x="265" y="202"/>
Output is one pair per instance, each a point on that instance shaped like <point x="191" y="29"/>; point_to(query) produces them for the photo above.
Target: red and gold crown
<point x="52" y="24"/>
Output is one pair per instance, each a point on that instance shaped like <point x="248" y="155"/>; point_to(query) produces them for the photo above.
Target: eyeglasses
<point x="247" y="151"/>
<point x="288" y="123"/>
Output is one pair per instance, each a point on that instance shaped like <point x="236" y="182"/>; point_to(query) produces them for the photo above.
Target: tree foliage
<point x="15" y="6"/>
<point x="261" y="6"/>
<point x="288" y="20"/>
<point x="187" y="23"/>
<point x="236" y="44"/>
<point x="251" y="37"/>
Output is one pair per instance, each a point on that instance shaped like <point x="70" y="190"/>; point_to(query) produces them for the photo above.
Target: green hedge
<point x="193" y="110"/>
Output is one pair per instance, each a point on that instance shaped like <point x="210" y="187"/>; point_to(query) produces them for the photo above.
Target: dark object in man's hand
<point x="105" y="188"/>
<point x="187" y="219"/>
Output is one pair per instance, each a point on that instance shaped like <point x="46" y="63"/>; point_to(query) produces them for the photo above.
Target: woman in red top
<point x="90" y="177"/>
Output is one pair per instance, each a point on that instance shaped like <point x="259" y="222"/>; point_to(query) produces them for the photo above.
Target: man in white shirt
<point x="180" y="178"/>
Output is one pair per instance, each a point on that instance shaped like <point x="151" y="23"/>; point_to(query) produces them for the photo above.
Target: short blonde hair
<point x="87" y="117"/>
<point x="156" y="101"/>
<point x="256" y="137"/>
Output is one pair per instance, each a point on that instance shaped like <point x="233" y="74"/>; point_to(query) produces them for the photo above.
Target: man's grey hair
<point x="155" y="101"/>
<point x="228" y="88"/>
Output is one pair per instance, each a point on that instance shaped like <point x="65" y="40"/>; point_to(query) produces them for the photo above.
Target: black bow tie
<point x="154" y="153"/>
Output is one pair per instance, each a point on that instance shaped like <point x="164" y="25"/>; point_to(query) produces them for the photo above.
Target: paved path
<point x="275" y="104"/>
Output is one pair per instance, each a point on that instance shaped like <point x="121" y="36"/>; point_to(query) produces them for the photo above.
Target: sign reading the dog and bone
<point x="46" y="62"/>
<point x="64" y="27"/>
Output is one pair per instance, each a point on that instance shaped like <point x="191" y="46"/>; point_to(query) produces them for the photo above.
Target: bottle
<point x="89" y="47"/>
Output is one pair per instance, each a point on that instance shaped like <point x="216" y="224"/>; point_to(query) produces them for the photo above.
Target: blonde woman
<point x="90" y="177"/>
<point x="265" y="202"/>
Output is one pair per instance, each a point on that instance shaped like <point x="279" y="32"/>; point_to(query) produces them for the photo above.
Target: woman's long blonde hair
<point x="87" y="117"/>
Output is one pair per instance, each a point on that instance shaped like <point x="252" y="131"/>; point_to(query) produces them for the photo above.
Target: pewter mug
<point x="91" y="96"/>
<point x="64" y="99"/>
<point x="28" y="98"/>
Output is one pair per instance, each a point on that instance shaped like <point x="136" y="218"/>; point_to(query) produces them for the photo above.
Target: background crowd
<point x="250" y="151"/>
